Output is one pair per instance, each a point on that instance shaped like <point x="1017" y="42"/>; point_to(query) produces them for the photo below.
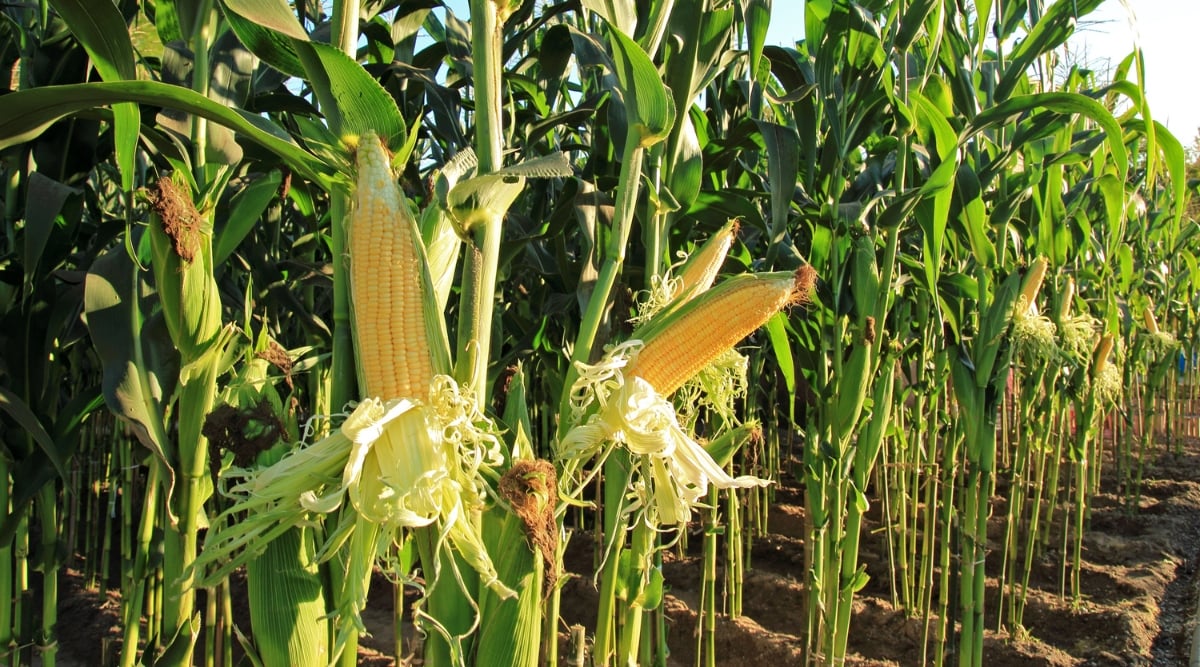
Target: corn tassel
<point x="388" y="284"/>
<point x="684" y="341"/>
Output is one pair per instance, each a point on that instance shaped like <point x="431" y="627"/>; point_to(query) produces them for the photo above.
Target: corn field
<point x="308" y="303"/>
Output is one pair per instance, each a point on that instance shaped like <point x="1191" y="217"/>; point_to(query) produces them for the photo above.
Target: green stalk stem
<point x="706" y="639"/>
<point x="205" y="34"/>
<point x="614" y="260"/>
<point x="7" y="643"/>
<point x="344" y="378"/>
<point x="641" y="549"/>
<point x="48" y="510"/>
<point x="481" y="267"/>
<point x="618" y="471"/>
<point x="135" y="586"/>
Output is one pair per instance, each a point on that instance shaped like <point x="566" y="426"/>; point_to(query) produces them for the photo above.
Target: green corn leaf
<point x="1048" y="34"/>
<point x="1068" y="103"/>
<point x="19" y="411"/>
<point x="275" y="15"/>
<point x="167" y="23"/>
<point x="30" y="112"/>
<point x="248" y="206"/>
<point x="783" y="164"/>
<point x="140" y="364"/>
<point x="1176" y="161"/>
<point x="252" y="23"/>
<point x="777" y="335"/>
<point x="352" y="99"/>
<point x="758" y="19"/>
<point x="973" y="215"/>
<point x="648" y="100"/>
<point x="911" y="24"/>
<point x="621" y="14"/>
<point x="44" y="202"/>
<point x="102" y="32"/>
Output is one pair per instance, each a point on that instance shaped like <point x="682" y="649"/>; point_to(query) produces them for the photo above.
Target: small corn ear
<point x="1068" y="295"/>
<point x="397" y="349"/>
<point x="181" y="243"/>
<point x="700" y="271"/>
<point x="684" y="341"/>
<point x="1103" y="351"/>
<point x="1032" y="284"/>
<point x="1148" y="317"/>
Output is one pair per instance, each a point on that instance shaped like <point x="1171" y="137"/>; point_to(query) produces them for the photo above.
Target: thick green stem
<point x="618" y="471"/>
<point x="614" y="260"/>
<point x="631" y="628"/>
<point x="6" y="573"/>
<point x="134" y="588"/>
<point x="205" y="34"/>
<point x="483" y="253"/>
<point x="48" y="510"/>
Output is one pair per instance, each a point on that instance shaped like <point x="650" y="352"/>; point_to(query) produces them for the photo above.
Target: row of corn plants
<point x="393" y="293"/>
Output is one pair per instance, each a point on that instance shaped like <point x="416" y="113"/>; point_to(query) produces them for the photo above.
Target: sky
<point x="1166" y="30"/>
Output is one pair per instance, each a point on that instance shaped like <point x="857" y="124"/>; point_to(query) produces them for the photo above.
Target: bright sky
<point x="1166" y="30"/>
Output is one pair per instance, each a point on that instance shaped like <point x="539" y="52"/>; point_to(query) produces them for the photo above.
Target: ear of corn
<point x="398" y="333"/>
<point x="1032" y="284"/>
<point x="700" y="271"/>
<point x="1148" y="317"/>
<point x="287" y="602"/>
<point x="1067" y="296"/>
<point x="1103" y="350"/>
<point x="181" y="243"/>
<point x="685" y="340"/>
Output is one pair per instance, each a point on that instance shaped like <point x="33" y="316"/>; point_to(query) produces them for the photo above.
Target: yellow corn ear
<point x="1148" y="317"/>
<point x="386" y="283"/>
<point x="1064" y="307"/>
<point x="1033" y="282"/>
<point x="693" y="336"/>
<point x="1103" y="350"/>
<point x="700" y="271"/>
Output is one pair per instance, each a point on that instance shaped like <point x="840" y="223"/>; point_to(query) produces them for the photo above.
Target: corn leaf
<point x="19" y="411"/>
<point x="30" y="112"/>
<point x="248" y="206"/>
<point x="275" y="15"/>
<point x="352" y="99"/>
<point x="647" y="99"/>
<point x="102" y="32"/>
<point x="44" y="203"/>
<point x="140" y="364"/>
<point x="1068" y="103"/>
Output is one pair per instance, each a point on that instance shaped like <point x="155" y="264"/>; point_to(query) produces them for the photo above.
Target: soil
<point x="1139" y="593"/>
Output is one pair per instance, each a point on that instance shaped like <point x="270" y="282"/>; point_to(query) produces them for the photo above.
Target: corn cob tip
<point x="803" y="285"/>
<point x="180" y="220"/>
<point x="735" y="225"/>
